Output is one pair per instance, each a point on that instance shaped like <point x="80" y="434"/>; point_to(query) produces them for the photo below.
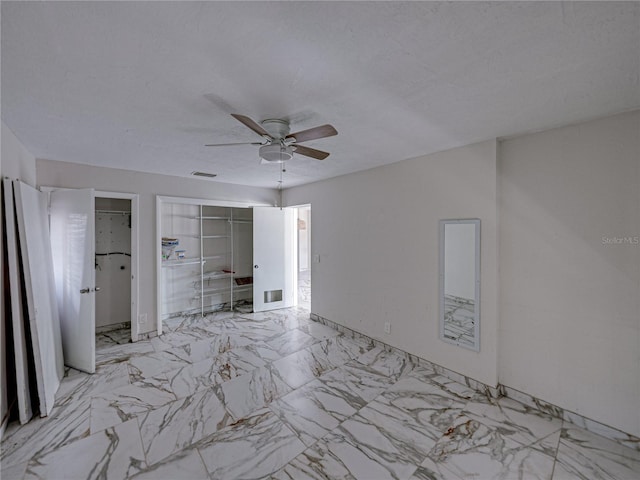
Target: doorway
<point x="304" y="256"/>
<point x="113" y="271"/>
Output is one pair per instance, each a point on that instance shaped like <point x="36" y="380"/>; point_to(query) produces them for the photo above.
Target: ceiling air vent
<point x="203" y="174"/>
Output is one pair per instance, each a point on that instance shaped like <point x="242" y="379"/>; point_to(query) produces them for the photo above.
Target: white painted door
<point x="274" y="248"/>
<point x="73" y="248"/>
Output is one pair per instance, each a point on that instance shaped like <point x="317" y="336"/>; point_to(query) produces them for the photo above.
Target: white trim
<point x="158" y="250"/>
<point x="214" y="203"/>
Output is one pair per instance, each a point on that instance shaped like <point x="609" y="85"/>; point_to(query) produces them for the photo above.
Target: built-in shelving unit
<point x="218" y="250"/>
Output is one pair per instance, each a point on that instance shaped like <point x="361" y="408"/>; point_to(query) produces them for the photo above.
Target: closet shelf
<point x="215" y="257"/>
<point x="210" y="292"/>
<point x="214" y="236"/>
<point x="179" y="263"/>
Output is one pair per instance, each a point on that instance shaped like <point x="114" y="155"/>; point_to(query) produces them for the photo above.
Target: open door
<point x="73" y="247"/>
<point x="273" y="258"/>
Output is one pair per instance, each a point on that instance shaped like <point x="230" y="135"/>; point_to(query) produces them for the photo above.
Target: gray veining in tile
<point x="186" y="464"/>
<point x="585" y="455"/>
<point x="111" y="408"/>
<point x="113" y="453"/>
<point x="315" y="410"/>
<point x="252" y="391"/>
<point x="252" y="448"/>
<point x="180" y="424"/>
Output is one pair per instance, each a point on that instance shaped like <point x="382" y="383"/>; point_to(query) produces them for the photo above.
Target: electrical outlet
<point x="142" y="319"/>
<point x="387" y="327"/>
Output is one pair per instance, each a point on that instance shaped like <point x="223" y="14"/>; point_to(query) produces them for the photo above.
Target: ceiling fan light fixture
<point x="276" y="153"/>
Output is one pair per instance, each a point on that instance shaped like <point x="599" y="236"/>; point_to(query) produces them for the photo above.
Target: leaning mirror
<point x="460" y="282"/>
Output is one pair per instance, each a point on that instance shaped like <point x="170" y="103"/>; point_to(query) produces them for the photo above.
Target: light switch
<point x="316" y="258"/>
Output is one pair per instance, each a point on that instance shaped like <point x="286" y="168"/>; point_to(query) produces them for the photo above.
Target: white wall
<point x="570" y="304"/>
<point x="69" y="175"/>
<point x="377" y="236"/>
<point x="16" y="163"/>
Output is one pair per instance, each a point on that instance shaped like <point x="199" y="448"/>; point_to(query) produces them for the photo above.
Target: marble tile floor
<point x="277" y="396"/>
<point x="117" y="336"/>
<point x="304" y="289"/>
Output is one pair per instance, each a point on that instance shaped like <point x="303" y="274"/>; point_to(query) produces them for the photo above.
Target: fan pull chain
<point x="282" y="170"/>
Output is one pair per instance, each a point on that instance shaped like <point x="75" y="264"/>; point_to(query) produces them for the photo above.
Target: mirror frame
<point x="476" y="333"/>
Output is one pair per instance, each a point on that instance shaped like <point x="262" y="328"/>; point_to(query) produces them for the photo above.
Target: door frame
<point x="135" y="235"/>
<point x="297" y="253"/>
<point x="160" y="201"/>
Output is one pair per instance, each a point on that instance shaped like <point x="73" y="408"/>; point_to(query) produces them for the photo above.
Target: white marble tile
<point x="113" y="453"/>
<point x="122" y="353"/>
<point x="411" y="404"/>
<point x="303" y="366"/>
<point x="392" y="363"/>
<point x="422" y="473"/>
<point x="156" y="363"/>
<point x="585" y="455"/>
<point x="252" y="391"/>
<point x="265" y="352"/>
<point x="111" y="338"/>
<point x="358" y="453"/>
<point x="67" y="423"/>
<point x="383" y="426"/>
<point x="291" y="341"/>
<point x="314" y="410"/>
<point x="251" y="331"/>
<point x="358" y="381"/>
<point x="252" y="448"/>
<point x="340" y="349"/>
<point x="339" y="406"/>
<point x="125" y="403"/>
<point x="456" y="388"/>
<point x="471" y="449"/>
<point x="516" y="421"/>
<point x="191" y="378"/>
<point x="170" y="340"/>
<point x="13" y="472"/>
<point x="599" y="429"/>
<point x="288" y="318"/>
<point x="76" y="385"/>
<point x="180" y="424"/>
<point x="186" y="465"/>
<point x="420" y="404"/>
<point x="319" y="331"/>
<point x="318" y="463"/>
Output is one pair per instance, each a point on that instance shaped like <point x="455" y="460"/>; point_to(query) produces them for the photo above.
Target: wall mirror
<point x="460" y="282"/>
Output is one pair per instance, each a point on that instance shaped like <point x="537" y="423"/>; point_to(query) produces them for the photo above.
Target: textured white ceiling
<point x="144" y="85"/>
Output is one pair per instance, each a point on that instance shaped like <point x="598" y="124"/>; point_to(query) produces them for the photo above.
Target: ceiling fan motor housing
<point x="276" y="153"/>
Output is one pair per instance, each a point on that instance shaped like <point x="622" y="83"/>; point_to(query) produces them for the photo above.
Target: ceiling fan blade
<point x="313" y="133"/>
<point x="310" y="152"/>
<point x="231" y="144"/>
<point x="251" y="124"/>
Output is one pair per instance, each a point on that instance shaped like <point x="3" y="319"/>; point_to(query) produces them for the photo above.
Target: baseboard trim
<point x="581" y="421"/>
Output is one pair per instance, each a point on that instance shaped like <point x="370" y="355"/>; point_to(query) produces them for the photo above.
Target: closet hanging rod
<point x="113" y="212"/>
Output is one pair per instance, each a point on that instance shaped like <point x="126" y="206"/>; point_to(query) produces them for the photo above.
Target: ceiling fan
<point x="279" y="145"/>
